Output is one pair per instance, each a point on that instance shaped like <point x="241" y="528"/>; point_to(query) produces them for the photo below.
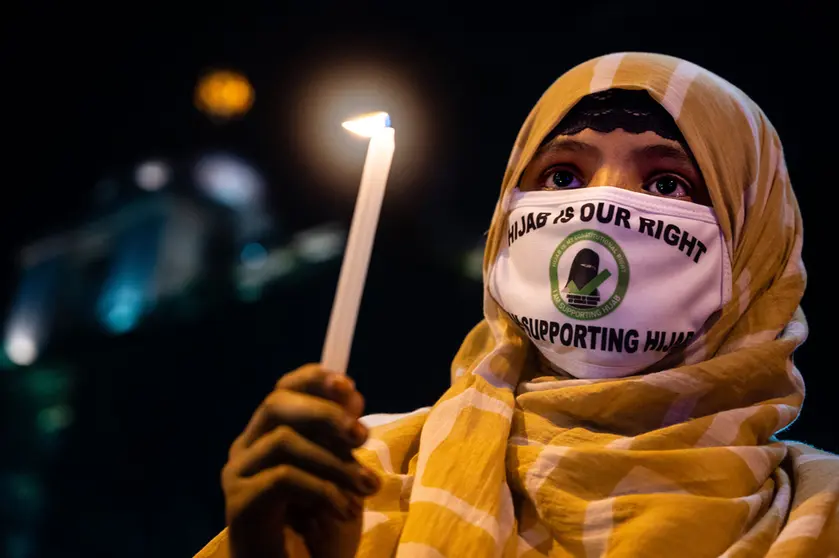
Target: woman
<point x="642" y="284"/>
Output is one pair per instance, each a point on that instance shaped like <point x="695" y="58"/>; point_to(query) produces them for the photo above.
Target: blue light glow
<point x="122" y="308"/>
<point x="254" y="254"/>
<point x="127" y="293"/>
<point x="229" y="180"/>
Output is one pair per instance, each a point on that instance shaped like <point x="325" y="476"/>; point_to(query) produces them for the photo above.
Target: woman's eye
<point x="668" y="185"/>
<point x="562" y="179"/>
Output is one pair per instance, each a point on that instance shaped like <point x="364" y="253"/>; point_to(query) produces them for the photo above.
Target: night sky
<point x="156" y="410"/>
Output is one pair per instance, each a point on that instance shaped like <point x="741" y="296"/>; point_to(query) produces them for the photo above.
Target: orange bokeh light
<point x="224" y="94"/>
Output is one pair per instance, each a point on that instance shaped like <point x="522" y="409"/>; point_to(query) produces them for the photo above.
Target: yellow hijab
<point x="511" y="462"/>
<point x="681" y="462"/>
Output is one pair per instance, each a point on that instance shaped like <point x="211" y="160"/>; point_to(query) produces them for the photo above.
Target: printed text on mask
<point x="601" y="338"/>
<point x="607" y="213"/>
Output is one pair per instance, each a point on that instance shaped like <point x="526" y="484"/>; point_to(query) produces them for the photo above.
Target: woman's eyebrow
<point x="661" y="151"/>
<point x="564" y="146"/>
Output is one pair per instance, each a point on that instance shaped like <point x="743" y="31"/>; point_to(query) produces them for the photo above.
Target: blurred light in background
<point x="473" y="261"/>
<point x="37" y="402"/>
<point x="224" y="94"/>
<point x="233" y="182"/>
<point x="121" y="306"/>
<point x="260" y="265"/>
<point x="254" y="255"/>
<point x="281" y="262"/>
<point x="230" y="181"/>
<point x="319" y="244"/>
<point x="152" y="175"/>
<point x="278" y="263"/>
<point x="53" y="419"/>
<point x="32" y="312"/>
<point x="140" y="254"/>
<point x="128" y="290"/>
<point x="180" y="262"/>
<point x="332" y="94"/>
<point x="20" y="348"/>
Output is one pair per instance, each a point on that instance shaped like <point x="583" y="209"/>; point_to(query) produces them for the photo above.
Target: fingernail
<point x="369" y="481"/>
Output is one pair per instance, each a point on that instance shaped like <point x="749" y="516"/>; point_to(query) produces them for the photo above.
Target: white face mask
<point x="605" y="281"/>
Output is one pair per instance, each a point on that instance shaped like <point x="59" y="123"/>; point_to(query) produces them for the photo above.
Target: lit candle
<point x="339" y="334"/>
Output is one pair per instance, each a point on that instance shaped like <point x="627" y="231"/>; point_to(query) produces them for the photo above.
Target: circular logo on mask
<point x="589" y="275"/>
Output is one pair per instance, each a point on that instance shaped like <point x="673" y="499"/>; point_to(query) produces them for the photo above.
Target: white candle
<point x="339" y="334"/>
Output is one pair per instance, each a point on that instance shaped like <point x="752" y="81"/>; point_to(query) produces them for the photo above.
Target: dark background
<point x="135" y="471"/>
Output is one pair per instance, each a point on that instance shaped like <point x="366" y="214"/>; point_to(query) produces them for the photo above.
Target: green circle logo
<point x="584" y="276"/>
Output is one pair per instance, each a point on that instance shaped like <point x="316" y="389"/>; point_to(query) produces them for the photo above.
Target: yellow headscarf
<point x="681" y="462"/>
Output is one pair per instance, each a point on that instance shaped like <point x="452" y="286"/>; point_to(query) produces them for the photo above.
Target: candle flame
<point x="368" y="124"/>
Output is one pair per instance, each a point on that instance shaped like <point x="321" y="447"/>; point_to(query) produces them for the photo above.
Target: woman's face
<point x="644" y="163"/>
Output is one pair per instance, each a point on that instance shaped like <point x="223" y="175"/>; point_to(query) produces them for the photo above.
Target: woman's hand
<point x="292" y="468"/>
